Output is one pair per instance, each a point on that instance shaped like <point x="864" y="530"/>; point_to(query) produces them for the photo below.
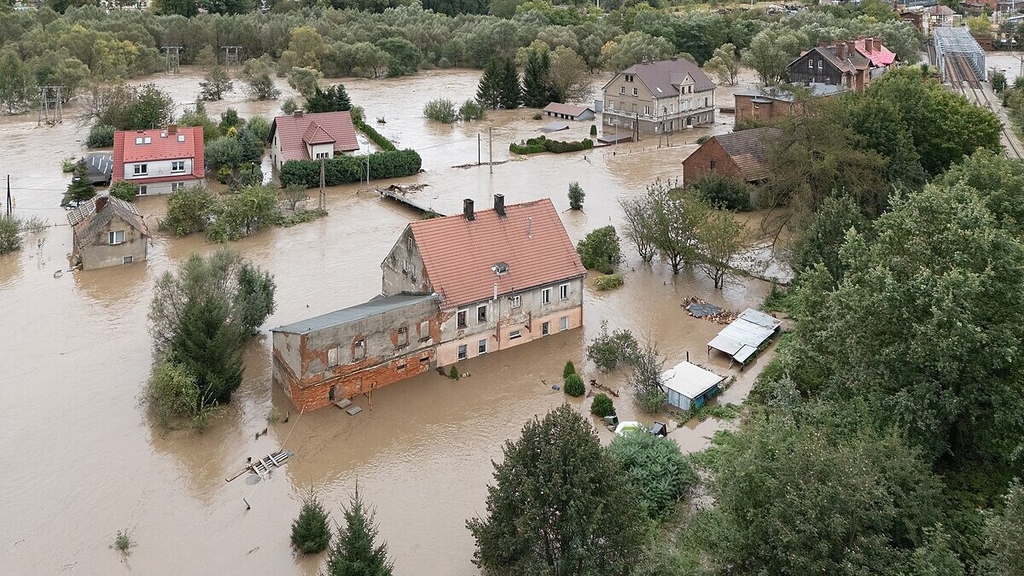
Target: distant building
<point x="849" y="64"/>
<point x="453" y="288"/>
<point x="741" y="155"/>
<point x="159" y="161"/>
<point x="107" y="232"/>
<point x="304" y="136"/>
<point x="569" y="112"/>
<point x="659" y="97"/>
<point x="770" y="103"/>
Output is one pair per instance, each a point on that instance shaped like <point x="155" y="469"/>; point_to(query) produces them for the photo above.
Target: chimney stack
<point x="467" y="209"/>
<point x="172" y="129"/>
<point x="499" y="204"/>
<point x="841" y="51"/>
<point x="101" y="202"/>
<point x="851" y="48"/>
<point x="869" y="44"/>
<point x="297" y="113"/>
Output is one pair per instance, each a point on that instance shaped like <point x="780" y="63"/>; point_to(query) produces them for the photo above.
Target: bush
<point x="659" y="473"/>
<point x="123" y="190"/>
<point x="174" y="394"/>
<point x="608" y="350"/>
<point x="998" y="81"/>
<point x="10" y="237"/>
<point x="67" y="165"/>
<point x="441" y="110"/>
<point x="574" y="385"/>
<point x="576" y="195"/>
<point x="538" y="116"/>
<point x="723" y="192"/>
<point x="599" y="249"/>
<point x="350" y="169"/>
<point x="310" y="532"/>
<point x="189" y="210"/>
<point x="471" y="110"/>
<point x="593" y="131"/>
<point x="454" y="372"/>
<point x="259" y="128"/>
<point x="602" y="406"/>
<point x="608" y="282"/>
<point x="568" y="369"/>
<point x="289" y="107"/>
<point x="100" y="136"/>
<point x="543" y="144"/>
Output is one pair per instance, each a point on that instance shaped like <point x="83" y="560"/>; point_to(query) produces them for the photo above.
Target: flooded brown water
<point x="83" y="460"/>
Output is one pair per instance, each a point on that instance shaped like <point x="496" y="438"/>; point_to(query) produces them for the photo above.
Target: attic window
<point x="501" y="268"/>
<point x="181" y="137"/>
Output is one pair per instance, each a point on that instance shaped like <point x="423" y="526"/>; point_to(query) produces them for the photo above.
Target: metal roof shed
<point x="741" y="338"/>
<point x="690" y="386"/>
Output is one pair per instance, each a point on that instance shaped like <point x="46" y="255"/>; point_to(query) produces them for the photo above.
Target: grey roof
<point x="101" y="166"/>
<point x="744" y="335"/>
<point x="663" y="77"/>
<point x="377" y="305"/>
<point x="86" y="221"/>
<point x="749" y="150"/>
<point x="554" y="127"/>
<point x="818" y="89"/>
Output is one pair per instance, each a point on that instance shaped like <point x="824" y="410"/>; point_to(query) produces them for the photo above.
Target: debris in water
<point x="700" y="309"/>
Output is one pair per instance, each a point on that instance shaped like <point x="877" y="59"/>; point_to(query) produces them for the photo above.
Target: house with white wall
<point x="159" y="161"/>
<point x="304" y="136"/>
<point x="658" y="97"/>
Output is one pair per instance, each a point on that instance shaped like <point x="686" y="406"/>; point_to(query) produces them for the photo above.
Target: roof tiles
<point x="172" y="143"/>
<point x="663" y="77"/>
<point x="749" y="150"/>
<point x="297" y="130"/>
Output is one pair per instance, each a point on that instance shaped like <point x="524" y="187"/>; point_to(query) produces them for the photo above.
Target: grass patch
<point x="721" y="411"/>
<point x="123" y="541"/>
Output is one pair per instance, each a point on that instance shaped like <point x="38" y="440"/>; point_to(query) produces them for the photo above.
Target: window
<point x="405" y="264"/>
<point x="424" y="359"/>
<point x="403" y="336"/>
<point x="819" y="64"/>
<point x="401" y="367"/>
<point x="138" y="139"/>
<point x="140" y="169"/>
<point x="481" y="313"/>
<point x="178" y="166"/>
<point x="359" y="349"/>
<point x="481" y="346"/>
<point x="142" y="190"/>
<point x="424" y="330"/>
<point x="323" y="155"/>
<point x="563" y="292"/>
<point x="545" y="296"/>
<point x="515" y="335"/>
<point x="332" y="356"/>
<point x="647" y="110"/>
<point x="516" y="301"/>
<point x="712" y="164"/>
<point x="462" y="352"/>
<point x="147" y="140"/>
<point x="181" y="138"/>
<point x="634" y="92"/>
<point x="810" y="63"/>
<point x="116" y="237"/>
<point x="705" y="102"/>
<point x="622" y="89"/>
<point x="563" y="323"/>
<point x="611" y="105"/>
<point x="127" y="260"/>
<point x="461" y="322"/>
<point x="175" y="186"/>
<point x="409" y="243"/>
<point x="545" y="329"/>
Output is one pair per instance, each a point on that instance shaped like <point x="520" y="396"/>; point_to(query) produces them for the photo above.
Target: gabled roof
<point x="459" y="254"/>
<point x="299" y="129"/>
<point x="940" y="11"/>
<point x="663" y="77"/>
<point x="173" y="143"/>
<point x="854" y="60"/>
<point x="878" y="55"/>
<point x="749" y="150"/>
<point x="86" y="221"/>
<point x="567" y="109"/>
<point x="818" y="89"/>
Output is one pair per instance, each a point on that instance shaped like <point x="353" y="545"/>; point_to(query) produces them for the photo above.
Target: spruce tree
<point x="488" y="92"/>
<point x="80" y="189"/>
<point x="334" y="99"/>
<point x="354" y="553"/>
<point x="511" y="91"/>
<point x="536" y="88"/>
<point x="310" y="532"/>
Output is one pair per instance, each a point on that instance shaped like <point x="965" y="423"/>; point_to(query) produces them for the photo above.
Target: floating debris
<point x="700" y="309"/>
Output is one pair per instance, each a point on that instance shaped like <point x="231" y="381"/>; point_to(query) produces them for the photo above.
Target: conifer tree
<point x="511" y="91"/>
<point x="310" y="532"/>
<point x="488" y="92"/>
<point x="354" y="552"/>
<point x="536" y="87"/>
<point x="80" y="189"/>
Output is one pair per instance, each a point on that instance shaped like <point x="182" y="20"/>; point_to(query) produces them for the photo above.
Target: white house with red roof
<point x="159" y="161"/>
<point x="304" y="136"/>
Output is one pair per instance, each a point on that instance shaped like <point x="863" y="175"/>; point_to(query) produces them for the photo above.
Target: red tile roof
<point x="459" y="254"/>
<point x="317" y="128"/>
<point x="185" y="143"/>
<point x="879" y="55"/>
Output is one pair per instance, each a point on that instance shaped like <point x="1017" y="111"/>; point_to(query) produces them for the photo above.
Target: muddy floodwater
<point x="82" y="460"/>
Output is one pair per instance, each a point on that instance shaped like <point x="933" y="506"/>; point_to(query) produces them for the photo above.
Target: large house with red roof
<point x="453" y="288"/>
<point x="304" y="136"/>
<point x="159" y="161"/>
<point x="852" y="64"/>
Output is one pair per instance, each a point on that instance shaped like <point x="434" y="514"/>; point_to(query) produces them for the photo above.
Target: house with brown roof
<point x="304" y="136"/>
<point x="107" y="232"/>
<point x="453" y="288"/>
<point x="741" y="155"/>
<point x="159" y="161"/>
<point x="850" y="64"/>
<point x="656" y="97"/>
<point x="569" y="112"/>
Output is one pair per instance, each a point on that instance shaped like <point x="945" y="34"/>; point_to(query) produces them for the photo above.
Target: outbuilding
<point x="742" y="338"/>
<point x="569" y="112"/>
<point x="689" y="386"/>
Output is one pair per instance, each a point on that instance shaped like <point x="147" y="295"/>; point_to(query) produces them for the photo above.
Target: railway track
<point x="962" y="77"/>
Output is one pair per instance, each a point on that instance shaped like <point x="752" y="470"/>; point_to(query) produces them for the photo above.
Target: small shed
<point x="689" y="386"/>
<point x="744" y="335"/>
<point x="569" y="112"/>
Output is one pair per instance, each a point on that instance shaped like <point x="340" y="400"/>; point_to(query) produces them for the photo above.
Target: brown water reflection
<point x="83" y="460"/>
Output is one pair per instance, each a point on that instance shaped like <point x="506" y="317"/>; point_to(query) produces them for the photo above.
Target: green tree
<point x="576" y="195"/>
<point x="568" y="76"/>
<point x="310" y="532"/>
<point x="640" y="223"/>
<point x="123" y="190"/>
<point x="488" y="92"/>
<point x="558" y="506"/>
<point x="17" y="86"/>
<point x="131" y="107"/>
<point x="10" y="235"/>
<point x="246" y="212"/>
<point x="224" y="152"/>
<point x="189" y="210"/>
<point x="608" y="350"/>
<point x="632" y="48"/>
<point x="771" y="51"/>
<point x="186" y="8"/>
<point x="80" y="189"/>
<point x="305" y="81"/>
<point x="725" y="64"/>
<point x="215" y="84"/>
<point x="719" y="238"/>
<point x="355" y="552"/>
<point x="403" y="56"/>
<point x="1004" y="535"/>
<point x="573" y="385"/>
<point x="173" y="396"/>
<point x="999" y="182"/>
<point x="600" y="250"/>
<point x="333" y="99"/>
<point x="536" y="87"/>
<point x="257" y="75"/>
<point x="59" y="68"/>
<point x="648" y="393"/>
<point x="510" y="95"/>
<point x="602" y="406"/>
<point x="441" y="110"/>
<point x="655" y="469"/>
<point x="820" y="241"/>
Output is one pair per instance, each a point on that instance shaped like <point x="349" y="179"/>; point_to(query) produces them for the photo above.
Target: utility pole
<point x="490" y="149"/>
<point x="173" y="59"/>
<point x="367" y="166"/>
<point x="50" y="105"/>
<point x="8" y="195"/>
<point x="323" y="194"/>
<point x="477" y="148"/>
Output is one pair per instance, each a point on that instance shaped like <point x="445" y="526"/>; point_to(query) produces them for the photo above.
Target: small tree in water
<point x="646" y="379"/>
<point x="310" y="532"/>
<point x="576" y="195"/>
<point x="354" y="552"/>
<point x="80" y="189"/>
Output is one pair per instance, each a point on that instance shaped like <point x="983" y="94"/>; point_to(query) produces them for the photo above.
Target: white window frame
<point x="622" y="89"/>
<point x="810" y="63"/>
<point x="113" y="235"/>
<point x="140" y="169"/>
<point x="563" y="292"/>
<point x="462" y="352"/>
<point x="481" y="346"/>
<point x="516" y="301"/>
<point x="563" y="323"/>
<point x="545" y="296"/>
<point x="333" y="356"/>
<point x="177" y="166"/>
<point x="515" y="334"/>
<point x="175" y="186"/>
<point x="141" y="190"/>
<point x="635" y="92"/>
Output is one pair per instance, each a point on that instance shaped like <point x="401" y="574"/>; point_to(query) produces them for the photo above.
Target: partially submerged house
<point x="453" y="288"/>
<point x="655" y="97"/>
<point x="851" y="64"/>
<point x="689" y="386"/>
<point x="743" y="337"/>
<point x="305" y="136"/>
<point x="741" y="155"/>
<point x="107" y="231"/>
<point x="569" y="112"/>
<point x="771" y="103"/>
<point x="159" y="161"/>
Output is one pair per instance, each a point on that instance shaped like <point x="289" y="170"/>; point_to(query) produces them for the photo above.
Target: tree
<point x="305" y="81"/>
<point x="536" y="87"/>
<point x="725" y="64"/>
<point x="675" y="223"/>
<point x="999" y="182"/>
<point x="771" y="51"/>
<point x="568" y="76"/>
<point x="655" y="469"/>
<point x="639" y="216"/>
<point x="10" y="235"/>
<point x="648" y="393"/>
<point x="719" y="238"/>
<point x="246" y="212"/>
<point x="441" y="110"/>
<point x="354" y="552"/>
<point x="558" y="505"/>
<point x="202" y="316"/>
<point x="17" y="86"/>
<point x="608" y="350"/>
<point x="511" y="93"/>
<point x="599" y="250"/>
<point x="186" y="8"/>
<point x="215" y="84"/>
<point x="488" y="92"/>
<point x="1004" y="535"/>
<point x="130" y="107"/>
<point x="821" y="240"/>
<point x="123" y="190"/>
<point x="310" y="532"/>
<point x="602" y="406"/>
<point x="189" y="210"/>
<point x="403" y="56"/>
<point x="256" y="74"/>
<point x="224" y="152"/>
<point x="80" y="189"/>
<point x="59" y="68"/>
<point x="632" y="48"/>
<point x="576" y="195"/>
<point x="334" y="99"/>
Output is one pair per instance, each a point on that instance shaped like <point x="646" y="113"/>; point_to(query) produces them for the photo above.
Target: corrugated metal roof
<point x="749" y="150"/>
<point x="744" y="335"/>
<point x="377" y="305"/>
<point x="689" y="379"/>
<point x="458" y="254"/>
<point x="291" y="129"/>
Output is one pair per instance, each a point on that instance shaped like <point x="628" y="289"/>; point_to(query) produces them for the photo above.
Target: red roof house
<point x="872" y="49"/>
<point x="303" y="136"/>
<point x="159" y="161"/>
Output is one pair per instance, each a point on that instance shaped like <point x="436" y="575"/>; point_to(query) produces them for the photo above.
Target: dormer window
<point x="181" y="137"/>
<point x="501" y="268"/>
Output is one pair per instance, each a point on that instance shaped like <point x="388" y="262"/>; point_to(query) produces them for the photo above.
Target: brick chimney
<point x="172" y="129"/>
<point x="101" y="202"/>
<point x="851" y="48"/>
<point x="467" y="209"/>
<point x="841" y="51"/>
<point x="869" y="44"/>
<point x="499" y="204"/>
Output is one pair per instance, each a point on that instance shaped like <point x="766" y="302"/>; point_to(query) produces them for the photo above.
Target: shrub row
<point x="542" y="144"/>
<point x="372" y="134"/>
<point x="350" y="169"/>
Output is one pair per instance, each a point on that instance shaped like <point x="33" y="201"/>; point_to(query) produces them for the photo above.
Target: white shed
<point x="690" y="386"/>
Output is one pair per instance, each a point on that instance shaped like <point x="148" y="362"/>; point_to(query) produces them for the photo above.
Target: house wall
<point x="655" y="115"/>
<point x="276" y="157"/>
<point x="320" y="149"/>
<point x="386" y="358"/>
<point x="157" y="188"/>
<point x="746" y="108"/>
<point x="158" y="169"/>
<point x="402" y="271"/>
<point x="97" y="252"/>
<point x="502" y="320"/>
<point x="710" y="157"/>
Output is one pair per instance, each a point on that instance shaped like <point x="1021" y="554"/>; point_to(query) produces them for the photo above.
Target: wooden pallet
<point x="269" y="462"/>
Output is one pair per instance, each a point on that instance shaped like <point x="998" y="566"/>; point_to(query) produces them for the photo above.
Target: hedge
<point x="372" y="133"/>
<point x="542" y="144"/>
<point x="351" y="169"/>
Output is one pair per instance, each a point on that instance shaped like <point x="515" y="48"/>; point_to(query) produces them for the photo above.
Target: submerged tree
<point x="310" y="532"/>
<point x="355" y="552"/>
<point x="333" y="99"/>
<point x="80" y="189"/>
<point x="215" y="84"/>
<point x="648" y="393"/>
